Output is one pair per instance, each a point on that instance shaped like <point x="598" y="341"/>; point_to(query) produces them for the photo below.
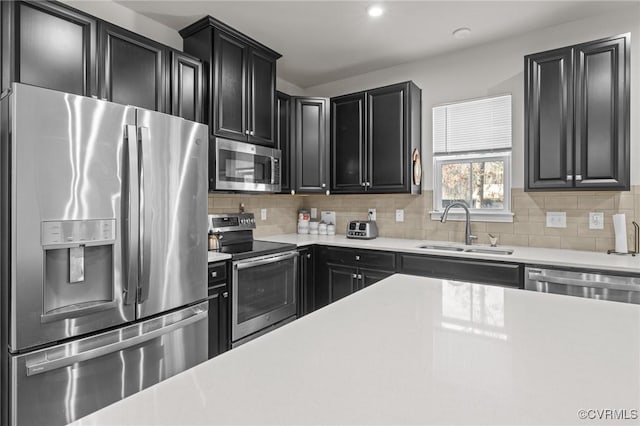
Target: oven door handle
<point x="244" y="264"/>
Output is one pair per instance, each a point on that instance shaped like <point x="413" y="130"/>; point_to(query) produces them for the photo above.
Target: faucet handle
<point x="473" y="237"/>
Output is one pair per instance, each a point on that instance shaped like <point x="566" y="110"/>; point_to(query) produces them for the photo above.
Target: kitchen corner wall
<point x="527" y="229"/>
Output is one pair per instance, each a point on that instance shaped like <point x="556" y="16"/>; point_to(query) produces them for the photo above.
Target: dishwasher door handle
<point x="537" y="275"/>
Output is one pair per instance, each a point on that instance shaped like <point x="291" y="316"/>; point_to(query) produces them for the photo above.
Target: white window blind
<point x="471" y="126"/>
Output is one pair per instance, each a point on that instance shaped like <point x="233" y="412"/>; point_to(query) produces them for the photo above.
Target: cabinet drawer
<point x="216" y="272"/>
<point x="351" y="257"/>
<point x="502" y="274"/>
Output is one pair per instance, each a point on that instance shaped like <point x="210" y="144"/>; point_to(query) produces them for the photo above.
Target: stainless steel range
<point x="263" y="281"/>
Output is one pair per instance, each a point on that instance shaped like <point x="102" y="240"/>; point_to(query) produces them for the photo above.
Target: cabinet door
<point x="312" y="157"/>
<point x="372" y="276"/>
<point x="348" y="155"/>
<point x="186" y="86"/>
<point x="230" y="87"/>
<point x="602" y="114"/>
<point x="54" y="46"/>
<point x="283" y="140"/>
<point x="387" y="132"/>
<point x="548" y="120"/>
<point x="218" y="320"/>
<point x="133" y="69"/>
<point x="306" y="282"/>
<point x="262" y="91"/>
<point x="342" y="281"/>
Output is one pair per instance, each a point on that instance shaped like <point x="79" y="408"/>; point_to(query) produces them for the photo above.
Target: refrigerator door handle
<point x="200" y="313"/>
<point x="131" y="228"/>
<point x="145" y="217"/>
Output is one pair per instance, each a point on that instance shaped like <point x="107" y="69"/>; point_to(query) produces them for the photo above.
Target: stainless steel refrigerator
<point x="106" y="215"/>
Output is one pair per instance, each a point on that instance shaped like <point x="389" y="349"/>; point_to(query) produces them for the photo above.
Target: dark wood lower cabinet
<point x="306" y="281"/>
<point x="477" y="271"/>
<point x="219" y="309"/>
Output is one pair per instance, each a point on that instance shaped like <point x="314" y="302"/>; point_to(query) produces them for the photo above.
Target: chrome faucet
<point x="467" y="230"/>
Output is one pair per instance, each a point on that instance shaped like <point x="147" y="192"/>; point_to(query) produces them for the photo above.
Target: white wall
<point x="289" y="88"/>
<point x="498" y="68"/>
<point x="119" y="15"/>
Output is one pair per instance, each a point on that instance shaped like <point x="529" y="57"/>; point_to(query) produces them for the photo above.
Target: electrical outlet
<point x="372" y="214"/>
<point x="596" y="220"/>
<point x="263" y="214"/>
<point x="556" y="219"/>
<point x="399" y="215"/>
<point x="314" y="212"/>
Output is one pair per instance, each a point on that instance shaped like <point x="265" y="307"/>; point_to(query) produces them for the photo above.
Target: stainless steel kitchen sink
<point x="489" y="250"/>
<point x="482" y="250"/>
<point x="437" y="247"/>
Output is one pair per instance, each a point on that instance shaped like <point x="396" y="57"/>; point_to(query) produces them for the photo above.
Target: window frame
<point x="477" y="215"/>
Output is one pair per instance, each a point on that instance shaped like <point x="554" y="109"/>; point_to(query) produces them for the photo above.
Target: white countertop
<point x="530" y="255"/>
<point x="216" y="256"/>
<point x="414" y="350"/>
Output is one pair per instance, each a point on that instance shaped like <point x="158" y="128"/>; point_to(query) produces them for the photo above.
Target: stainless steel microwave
<point x="246" y="167"/>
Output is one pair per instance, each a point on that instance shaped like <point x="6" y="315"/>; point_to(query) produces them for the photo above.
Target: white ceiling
<point x="323" y="41"/>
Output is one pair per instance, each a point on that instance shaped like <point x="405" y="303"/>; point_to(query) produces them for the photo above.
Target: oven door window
<point x="265" y="289"/>
<point x="243" y="167"/>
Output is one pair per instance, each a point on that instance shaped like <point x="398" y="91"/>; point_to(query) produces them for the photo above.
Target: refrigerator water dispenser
<point x="78" y="267"/>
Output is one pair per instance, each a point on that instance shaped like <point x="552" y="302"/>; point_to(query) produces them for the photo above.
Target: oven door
<point x="246" y="167"/>
<point x="263" y="292"/>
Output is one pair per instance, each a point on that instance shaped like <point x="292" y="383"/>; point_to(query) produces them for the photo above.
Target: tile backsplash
<point x="527" y="229"/>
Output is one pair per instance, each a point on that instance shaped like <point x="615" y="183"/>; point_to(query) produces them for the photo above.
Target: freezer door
<point x="173" y="212"/>
<point x="59" y="385"/>
<point x="69" y="213"/>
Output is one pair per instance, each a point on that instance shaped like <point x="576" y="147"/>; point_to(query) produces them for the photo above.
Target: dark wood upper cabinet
<point x="262" y="94"/>
<point x="186" y="86"/>
<point x="311" y="128"/>
<point x="283" y="140"/>
<point x="348" y="154"/>
<point x="549" y="100"/>
<point x="241" y="81"/>
<point x="49" y="45"/>
<point x="373" y="136"/>
<point x="602" y="79"/>
<point x="577" y="117"/>
<point x="133" y="69"/>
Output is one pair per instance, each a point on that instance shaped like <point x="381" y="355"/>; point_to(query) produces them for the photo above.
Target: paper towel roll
<point x="620" y="231"/>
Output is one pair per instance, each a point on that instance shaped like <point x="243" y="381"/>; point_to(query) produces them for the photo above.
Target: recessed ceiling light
<point x="375" y="11"/>
<point x="460" y="33"/>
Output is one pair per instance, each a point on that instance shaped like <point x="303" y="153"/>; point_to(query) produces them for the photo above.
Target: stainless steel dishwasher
<point x="591" y="284"/>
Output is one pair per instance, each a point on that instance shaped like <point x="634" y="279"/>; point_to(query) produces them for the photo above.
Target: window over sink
<point x="472" y="158"/>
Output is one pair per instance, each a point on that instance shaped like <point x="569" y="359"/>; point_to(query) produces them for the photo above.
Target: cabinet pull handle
<point x="354" y="276"/>
<point x="569" y="177"/>
<point x="308" y="255"/>
<point x="359" y="276"/>
<point x="368" y="183"/>
<point x="357" y="257"/>
<point x="363" y="184"/>
<point x="225" y="294"/>
<point x="214" y="274"/>
<point x="252" y="133"/>
<point x="323" y="185"/>
<point x="578" y="178"/>
<point x="246" y="132"/>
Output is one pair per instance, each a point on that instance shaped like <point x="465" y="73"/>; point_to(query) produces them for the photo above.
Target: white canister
<point x="322" y="228"/>
<point x="303" y="227"/>
<point x="331" y="229"/>
<point x="313" y="224"/>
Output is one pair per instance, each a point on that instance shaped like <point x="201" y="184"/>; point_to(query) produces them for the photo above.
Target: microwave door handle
<point x="145" y="216"/>
<point x="273" y="171"/>
<point x="130" y="240"/>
